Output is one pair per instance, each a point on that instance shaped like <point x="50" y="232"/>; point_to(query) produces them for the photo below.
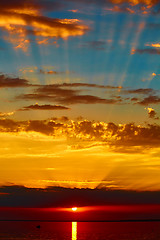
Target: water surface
<point x="80" y="230"/>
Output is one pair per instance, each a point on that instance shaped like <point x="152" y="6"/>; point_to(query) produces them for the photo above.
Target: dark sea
<point x="80" y="230"/>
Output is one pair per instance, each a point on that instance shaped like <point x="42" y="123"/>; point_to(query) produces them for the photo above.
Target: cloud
<point x="49" y="72"/>
<point x="134" y="99"/>
<point x="29" y="6"/>
<point x="90" y="85"/>
<point x="151" y="113"/>
<point x="10" y="82"/>
<point x="87" y="134"/>
<point x="146" y="50"/>
<point x="21" y="20"/>
<point x="7" y="125"/>
<point x="44" y="107"/>
<point x="6" y="114"/>
<point x="139" y="91"/>
<point x="20" y="196"/>
<point x="120" y="9"/>
<point x="156" y="45"/>
<point x="97" y="45"/>
<point x="72" y="99"/>
<point x="62" y="94"/>
<point x="149" y="100"/>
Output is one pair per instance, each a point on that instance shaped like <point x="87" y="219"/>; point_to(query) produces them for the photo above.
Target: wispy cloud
<point x="149" y="100"/>
<point x="97" y="45"/>
<point x="139" y="91"/>
<point x="146" y="51"/>
<point x="63" y="94"/>
<point x="43" y="107"/>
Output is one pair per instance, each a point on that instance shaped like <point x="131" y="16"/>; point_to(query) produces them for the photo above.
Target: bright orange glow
<point x="156" y="45"/>
<point x="74" y="209"/>
<point x="154" y="74"/>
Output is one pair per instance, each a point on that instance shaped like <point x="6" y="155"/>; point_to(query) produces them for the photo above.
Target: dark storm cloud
<point x="20" y="196"/>
<point x="44" y="107"/>
<point x="11" y="82"/>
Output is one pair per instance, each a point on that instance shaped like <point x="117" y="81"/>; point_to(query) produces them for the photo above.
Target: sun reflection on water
<point x="74" y="230"/>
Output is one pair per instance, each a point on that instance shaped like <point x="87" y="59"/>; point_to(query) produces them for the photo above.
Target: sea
<point x="32" y="230"/>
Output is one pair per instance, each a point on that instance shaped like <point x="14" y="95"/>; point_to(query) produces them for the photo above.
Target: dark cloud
<point x="153" y="51"/>
<point x="87" y="99"/>
<point x="59" y="94"/>
<point x="56" y="90"/>
<point x="39" y="126"/>
<point x="44" y="107"/>
<point x="153" y="114"/>
<point x="11" y="82"/>
<point x="140" y="91"/>
<point x="134" y="99"/>
<point x="19" y="196"/>
<point x="37" y="4"/>
<point x="149" y="100"/>
<point x="8" y="125"/>
<point x="97" y="45"/>
<point x="73" y="99"/>
<point x="89" y="85"/>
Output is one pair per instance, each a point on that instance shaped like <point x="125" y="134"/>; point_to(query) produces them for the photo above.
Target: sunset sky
<point x="80" y="96"/>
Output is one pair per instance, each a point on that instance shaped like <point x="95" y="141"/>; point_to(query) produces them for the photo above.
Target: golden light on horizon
<point x="74" y="209"/>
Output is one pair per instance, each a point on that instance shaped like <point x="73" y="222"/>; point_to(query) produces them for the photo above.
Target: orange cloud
<point x="6" y="114"/>
<point x="87" y="134"/>
<point x="27" y="20"/>
<point x="156" y="45"/>
<point x="148" y="3"/>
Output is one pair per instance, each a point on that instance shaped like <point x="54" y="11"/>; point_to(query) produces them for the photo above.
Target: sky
<point x="80" y="95"/>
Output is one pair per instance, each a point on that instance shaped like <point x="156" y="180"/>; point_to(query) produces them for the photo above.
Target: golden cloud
<point x="20" y="23"/>
<point x="88" y="134"/>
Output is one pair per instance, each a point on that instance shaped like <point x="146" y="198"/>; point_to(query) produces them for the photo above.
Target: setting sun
<point x="74" y="209"/>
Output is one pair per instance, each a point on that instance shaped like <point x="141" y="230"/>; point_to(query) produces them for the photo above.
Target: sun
<point x="74" y="209"/>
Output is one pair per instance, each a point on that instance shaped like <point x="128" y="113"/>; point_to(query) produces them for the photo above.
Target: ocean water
<point x="80" y="230"/>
